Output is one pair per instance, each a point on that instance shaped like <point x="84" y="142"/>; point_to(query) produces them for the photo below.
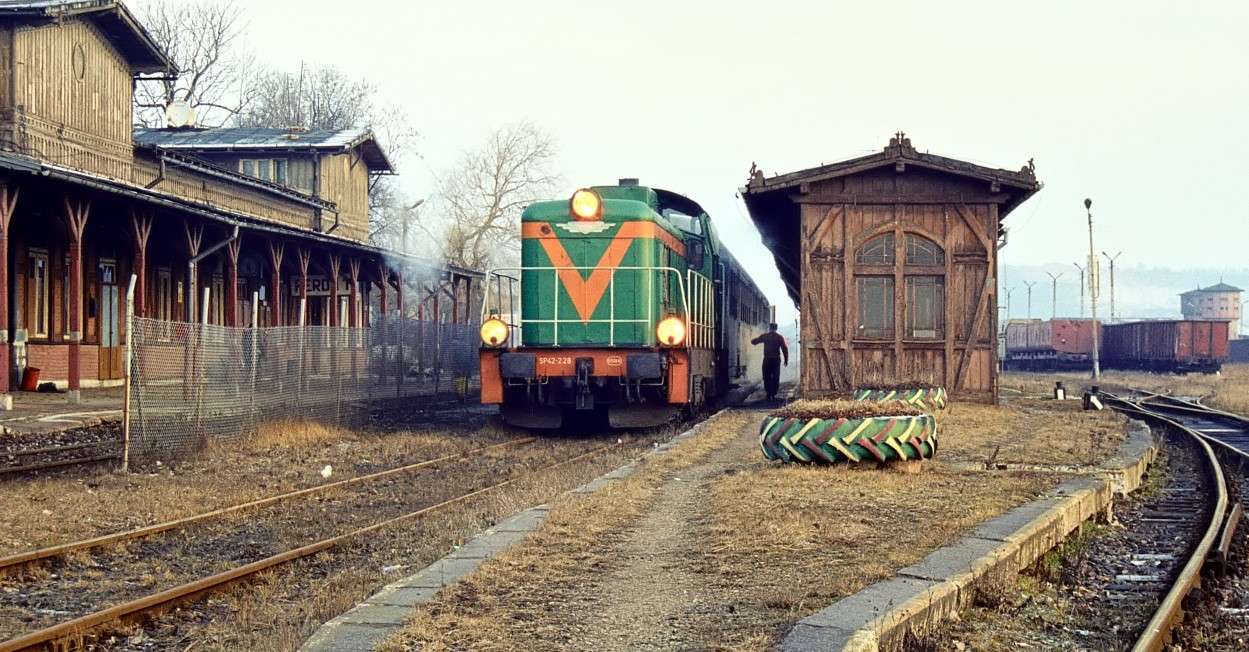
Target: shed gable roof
<point x="121" y="28"/>
<point x="264" y="139"/>
<point x="773" y="201"/>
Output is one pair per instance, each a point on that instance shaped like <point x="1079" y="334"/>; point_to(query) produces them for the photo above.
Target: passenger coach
<point x="626" y="306"/>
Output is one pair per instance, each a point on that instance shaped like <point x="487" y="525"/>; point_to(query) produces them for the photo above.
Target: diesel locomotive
<point x="626" y="306"/>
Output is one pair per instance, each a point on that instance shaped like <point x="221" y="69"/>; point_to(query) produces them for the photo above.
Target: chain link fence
<point x="191" y="384"/>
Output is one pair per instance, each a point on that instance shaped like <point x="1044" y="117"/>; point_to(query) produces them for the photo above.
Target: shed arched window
<point x="922" y="251"/>
<point x="877" y="251"/>
<point x="923" y="290"/>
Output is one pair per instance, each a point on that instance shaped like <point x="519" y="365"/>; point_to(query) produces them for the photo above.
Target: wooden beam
<point x="902" y="198"/>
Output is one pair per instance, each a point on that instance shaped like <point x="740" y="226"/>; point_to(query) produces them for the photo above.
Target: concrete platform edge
<point x="384" y="612"/>
<point x="922" y="595"/>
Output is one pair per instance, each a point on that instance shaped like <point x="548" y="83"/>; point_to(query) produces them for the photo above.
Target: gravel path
<point x="657" y="598"/>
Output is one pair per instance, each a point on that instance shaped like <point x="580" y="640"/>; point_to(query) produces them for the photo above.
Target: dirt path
<point x="656" y="598"/>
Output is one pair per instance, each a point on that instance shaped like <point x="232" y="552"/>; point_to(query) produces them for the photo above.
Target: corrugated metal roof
<point x="248" y="137"/>
<point x="267" y="139"/>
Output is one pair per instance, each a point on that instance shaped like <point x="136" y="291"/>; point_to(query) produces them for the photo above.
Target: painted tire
<point x="833" y="441"/>
<point x="929" y="399"/>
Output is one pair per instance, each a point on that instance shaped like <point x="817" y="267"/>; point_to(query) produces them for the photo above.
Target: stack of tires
<point x="881" y="425"/>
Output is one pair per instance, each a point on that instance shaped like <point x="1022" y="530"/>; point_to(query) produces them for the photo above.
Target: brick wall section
<point x="52" y="360"/>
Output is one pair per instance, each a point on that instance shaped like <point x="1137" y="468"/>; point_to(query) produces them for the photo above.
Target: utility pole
<point x="1054" y="296"/>
<point x="1081" y="288"/>
<point x="1029" y="286"/>
<point x="1112" y="260"/>
<point x="1093" y="287"/>
<point x="1008" y="293"/>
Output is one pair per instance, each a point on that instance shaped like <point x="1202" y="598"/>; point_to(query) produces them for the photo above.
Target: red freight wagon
<point x="1050" y="344"/>
<point x="1176" y="345"/>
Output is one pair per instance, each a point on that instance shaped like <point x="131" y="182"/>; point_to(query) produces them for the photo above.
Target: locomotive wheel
<point x="929" y="399"/>
<point x="834" y="440"/>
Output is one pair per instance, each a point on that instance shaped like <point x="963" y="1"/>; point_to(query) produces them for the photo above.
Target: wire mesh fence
<point x="191" y="384"/>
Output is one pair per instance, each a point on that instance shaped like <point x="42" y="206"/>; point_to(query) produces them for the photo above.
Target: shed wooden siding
<point x="816" y="222"/>
<point x="964" y="359"/>
<point x="6" y="67"/>
<point x="71" y="76"/>
<point x="345" y="181"/>
<point x="87" y="124"/>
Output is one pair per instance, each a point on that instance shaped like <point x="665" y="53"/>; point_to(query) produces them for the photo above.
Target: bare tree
<point x="324" y="97"/>
<point x="203" y="38"/>
<point x="481" y="199"/>
<point x="315" y="97"/>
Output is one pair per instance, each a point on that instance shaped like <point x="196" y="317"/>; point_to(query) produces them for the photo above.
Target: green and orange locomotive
<point x="626" y="305"/>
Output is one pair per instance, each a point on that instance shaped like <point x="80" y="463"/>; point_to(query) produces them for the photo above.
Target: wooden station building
<point x="892" y="261"/>
<point x="86" y="200"/>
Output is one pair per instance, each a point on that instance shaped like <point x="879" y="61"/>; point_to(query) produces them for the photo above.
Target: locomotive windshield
<point x="682" y="221"/>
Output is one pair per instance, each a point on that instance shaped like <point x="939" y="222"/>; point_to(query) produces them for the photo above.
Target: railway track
<point x="43" y="456"/>
<point x="1221" y="441"/>
<point x="76" y="631"/>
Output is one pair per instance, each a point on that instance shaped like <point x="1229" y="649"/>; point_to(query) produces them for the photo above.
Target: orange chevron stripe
<point x="587" y="293"/>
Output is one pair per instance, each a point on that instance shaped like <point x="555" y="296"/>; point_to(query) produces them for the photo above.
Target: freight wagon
<point x="1036" y="345"/>
<point x="1174" y="346"/>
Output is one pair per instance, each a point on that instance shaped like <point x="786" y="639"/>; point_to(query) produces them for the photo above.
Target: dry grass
<point x="1228" y="390"/>
<point x="813" y="535"/>
<point x="297" y="434"/>
<point x="835" y="409"/>
<point x="1041" y="432"/>
<point x="54" y="509"/>
<point x="772" y="544"/>
<point x="492" y="608"/>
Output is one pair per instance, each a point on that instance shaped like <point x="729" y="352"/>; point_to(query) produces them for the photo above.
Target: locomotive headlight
<point x="670" y="331"/>
<point x="586" y="205"/>
<point x="494" y="332"/>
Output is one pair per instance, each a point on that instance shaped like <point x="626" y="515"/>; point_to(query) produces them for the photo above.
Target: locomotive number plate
<point x="614" y="361"/>
<point x="554" y="359"/>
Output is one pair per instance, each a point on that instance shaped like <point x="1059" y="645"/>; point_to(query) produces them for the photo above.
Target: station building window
<point x="924" y="285"/>
<point x="37" y="293"/>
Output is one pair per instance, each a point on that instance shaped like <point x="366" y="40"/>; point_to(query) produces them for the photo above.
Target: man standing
<point x="773" y="348"/>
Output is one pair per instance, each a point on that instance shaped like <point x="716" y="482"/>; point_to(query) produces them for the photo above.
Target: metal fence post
<point x="197" y="366"/>
<point x="399" y="357"/>
<point x="125" y="401"/>
<point x="303" y="350"/>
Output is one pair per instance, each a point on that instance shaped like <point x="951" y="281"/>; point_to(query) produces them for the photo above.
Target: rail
<point x="60" y="635"/>
<point x="1170" y="612"/>
<point x="513" y="317"/>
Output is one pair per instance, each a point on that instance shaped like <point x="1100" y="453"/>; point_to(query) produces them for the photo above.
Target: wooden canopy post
<point x="380" y="331"/>
<point x="8" y="204"/>
<point x="304" y="257"/>
<point x="141" y="224"/>
<point x="76" y="214"/>
<point x="353" y="299"/>
<point x="276" y="251"/>
<point x="232" y="281"/>
<point x="194" y="240"/>
<point x="336" y="264"/>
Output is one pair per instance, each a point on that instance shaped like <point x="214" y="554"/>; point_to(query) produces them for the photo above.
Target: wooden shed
<point x="892" y="261"/>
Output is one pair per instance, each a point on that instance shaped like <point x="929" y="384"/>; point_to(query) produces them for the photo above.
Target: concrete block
<point x="376" y="614"/>
<point x="969" y="556"/>
<point x="860" y="610"/>
<point x="403" y="596"/>
<point x="1009" y="524"/>
<point x="805" y="638"/>
<point x="441" y="573"/>
<point x="526" y="521"/>
<point x="338" y="636"/>
<point x="6" y="402"/>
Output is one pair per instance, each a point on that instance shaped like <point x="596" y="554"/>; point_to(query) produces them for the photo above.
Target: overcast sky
<point x="1139" y="105"/>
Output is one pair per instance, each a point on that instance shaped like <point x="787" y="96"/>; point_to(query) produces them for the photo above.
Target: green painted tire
<point x="929" y="399"/>
<point x="834" y="440"/>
